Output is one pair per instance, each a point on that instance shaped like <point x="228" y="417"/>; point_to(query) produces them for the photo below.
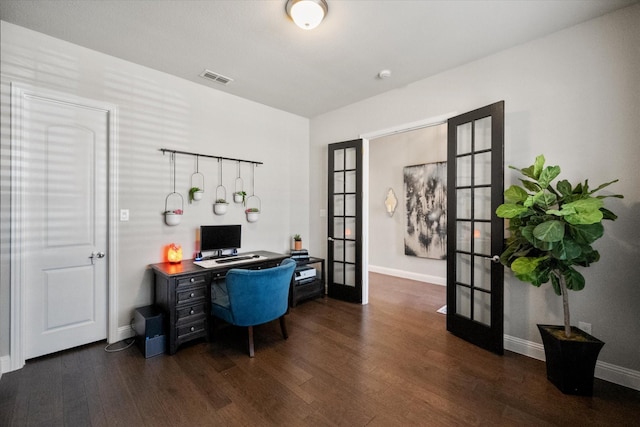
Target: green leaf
<point x="555" y="283"/>
<point x="549" y="231"/>
<point x="515" y="194"/>
<point x="564" y="187"/>
<point x="574" y="280"/>
<point x="607" y="214"/>
<point x="587" y="233"/>
<point x="606" y="184"/>
<point x="538" y="165"/>
<point x="526" y="265"/>
<point x="545" y="199"/>
<point x="587" y="211"/>
<point x="547" y="175"/>
<point x="509" y="210"/>
<point x="567" y="250"/>
<point x="531" y="186"/>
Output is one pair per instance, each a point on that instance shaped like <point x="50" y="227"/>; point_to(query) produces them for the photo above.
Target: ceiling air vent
<point x="215" y="77"/>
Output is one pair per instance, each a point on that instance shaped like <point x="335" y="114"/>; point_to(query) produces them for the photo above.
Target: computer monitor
<point x="220" y="238"/>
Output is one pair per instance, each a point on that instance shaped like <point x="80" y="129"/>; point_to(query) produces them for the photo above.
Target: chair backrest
<point x="259" y="296"/>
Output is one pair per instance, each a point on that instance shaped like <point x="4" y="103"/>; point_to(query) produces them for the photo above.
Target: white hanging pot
<point x="253" y="213"/>
<point x="197" y="196"/>
<point x="220" y="208"/>
<point x="173" y="216"/>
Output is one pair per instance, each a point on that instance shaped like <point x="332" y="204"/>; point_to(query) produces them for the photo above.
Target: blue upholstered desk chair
<point x="254" y="297"/>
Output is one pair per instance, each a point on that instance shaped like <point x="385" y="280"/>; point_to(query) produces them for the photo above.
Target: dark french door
<point x="475" y="234"/>
<point x="344" y="232"/>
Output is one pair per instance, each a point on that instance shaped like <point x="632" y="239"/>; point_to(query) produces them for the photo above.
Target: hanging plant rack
<point x="166" y="150"/>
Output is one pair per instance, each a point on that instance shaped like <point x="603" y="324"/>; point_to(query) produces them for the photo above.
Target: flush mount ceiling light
<point x="307" y="14"/>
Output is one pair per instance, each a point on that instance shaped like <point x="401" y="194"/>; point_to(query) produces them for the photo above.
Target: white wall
<point x="573" y="96"/>
<point x="156" y="110"/>
<point x="388" y="155"/>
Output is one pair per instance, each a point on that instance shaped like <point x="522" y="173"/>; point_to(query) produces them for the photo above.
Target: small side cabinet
<point x="185" y="301"/>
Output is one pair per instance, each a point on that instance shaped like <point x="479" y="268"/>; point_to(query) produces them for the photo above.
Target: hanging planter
<point x="197" y="185"/>
<point x="239" y="194"/>
<point x="173" y="216"/>
<point x="220" y="206"/>
<point x="253" y="212"/>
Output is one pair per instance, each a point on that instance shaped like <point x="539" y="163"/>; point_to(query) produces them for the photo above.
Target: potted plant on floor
<point x="551" y="232"/>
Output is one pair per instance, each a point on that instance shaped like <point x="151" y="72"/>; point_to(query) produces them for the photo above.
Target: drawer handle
<point x="192" y="311"/>
<point x="193" y="279"/>
<point x="193" y="328"/>
<point x="192" y="294"/>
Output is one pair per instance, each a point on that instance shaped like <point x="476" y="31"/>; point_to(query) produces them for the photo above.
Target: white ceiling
<point x="307" y="73"/>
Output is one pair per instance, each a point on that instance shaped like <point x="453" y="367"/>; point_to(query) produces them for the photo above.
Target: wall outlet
<point x="585" y="327"/>
<point x="124" y="214"/>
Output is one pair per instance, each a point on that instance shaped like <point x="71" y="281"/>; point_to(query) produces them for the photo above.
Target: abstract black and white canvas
<point x="425" y="189"/>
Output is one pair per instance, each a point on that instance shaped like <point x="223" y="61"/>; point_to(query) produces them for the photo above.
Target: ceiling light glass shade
<point x="307" y="14"/>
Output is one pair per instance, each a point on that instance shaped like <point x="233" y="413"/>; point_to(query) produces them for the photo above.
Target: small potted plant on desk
<point x="220" y="207"/>
<point x="297" y="242"/>
<point x="552" y="230"/>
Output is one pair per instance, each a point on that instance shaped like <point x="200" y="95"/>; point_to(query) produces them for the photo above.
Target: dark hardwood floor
<point x="385" y="364"/>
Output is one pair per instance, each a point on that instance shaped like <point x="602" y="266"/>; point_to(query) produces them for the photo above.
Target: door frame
<point x="18" y="261"/>
<point x="366" y="137"/>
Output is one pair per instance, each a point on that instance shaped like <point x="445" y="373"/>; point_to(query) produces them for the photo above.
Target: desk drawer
<point x="190" y="313"/>
<point x="192" y="329"/>
<point x="195" y="279"/>
<point x="191" y="295"/>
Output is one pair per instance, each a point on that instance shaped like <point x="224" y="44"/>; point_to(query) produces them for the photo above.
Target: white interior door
<point x="64" y="231"/>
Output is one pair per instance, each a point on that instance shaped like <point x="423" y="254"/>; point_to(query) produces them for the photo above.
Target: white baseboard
<point x="604" y="371"/>
<point x="124" y="332"/>
<point x="5" y="364"/>
<point x="436" y="280"/>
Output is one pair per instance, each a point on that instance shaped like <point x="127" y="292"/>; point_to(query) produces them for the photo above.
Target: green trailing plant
<point x="552" y="230"/>
<point x="193" y="191"/>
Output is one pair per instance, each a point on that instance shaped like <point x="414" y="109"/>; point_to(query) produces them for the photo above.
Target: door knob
<point x="95" y="255"/>
<point x="495" y="259"/>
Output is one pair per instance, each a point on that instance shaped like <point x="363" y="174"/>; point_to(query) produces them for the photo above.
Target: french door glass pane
<point x="350" y="205"/>
<point x="482" y="171"/>
<point x="464" y="138"/>
<point x="338" y="183"/>
<point x="350" y="182"/>
<point x="463" y="171"/>
<point x="350" y="275"/>
<point x="350" y="228"/>
<point x="463" y="230"/>
<point x="350" y="251"/>
<point x="338" y="205"/>
<point x="482" y="134"/>
<point x="338" y="160"/>
<point x="338" y="250"/>
<point x="482" y="238"/>
<point x="350" y="158"/>
<point x="338" y="273"/>
<point x="463" y="268"/>
<point x="482" y="203"/>
<point x="338" y="227"/>
<point x="482" y="273"/>
<point x="482" y="308"/>
<point x="463" y="203"/>
<point x="463" y="301"/>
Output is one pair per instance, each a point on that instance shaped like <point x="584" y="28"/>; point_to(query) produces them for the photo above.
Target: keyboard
<point x="210" y="263"/>
<point x="232" y="259"/>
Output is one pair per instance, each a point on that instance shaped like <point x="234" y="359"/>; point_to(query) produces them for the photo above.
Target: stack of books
<point x="300" y="254"/>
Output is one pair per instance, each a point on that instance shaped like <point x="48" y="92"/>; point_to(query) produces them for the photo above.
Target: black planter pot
<point x="570" y="363"/>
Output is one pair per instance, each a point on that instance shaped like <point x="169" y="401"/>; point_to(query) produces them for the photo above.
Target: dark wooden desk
<point x="183" y="293"/>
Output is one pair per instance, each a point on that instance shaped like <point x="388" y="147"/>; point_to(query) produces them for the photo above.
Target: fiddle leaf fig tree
<point x="552" y="229"/>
